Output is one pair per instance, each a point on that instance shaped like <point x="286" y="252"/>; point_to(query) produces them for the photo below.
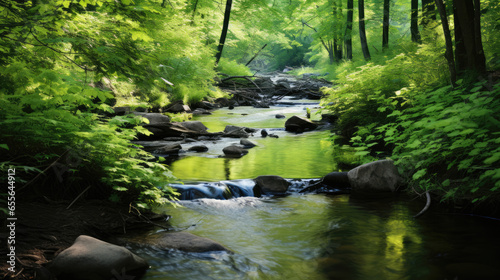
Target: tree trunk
<point x="415" y="34"/>
<point x="223" y="34"/>
<point x="447" y="36"/>
<point x="348" y="30"/>
<point x="428" y="12"/>
<point x="362" y="32"/>
<point x="337" y="47"/>
<point x="255" y="55"/>
<point x="385" y="25"/>
<point x="470" y="55"/>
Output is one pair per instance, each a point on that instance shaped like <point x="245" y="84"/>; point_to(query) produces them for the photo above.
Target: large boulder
<point x="183" y="241"/>
<point x="298" y="124"/>
<point x="270" y="184"/>
<point x="375" y="177"/>
<point x="337" y="180"/>
<point x="234" y="151"/>
<point x="92" y="259"/>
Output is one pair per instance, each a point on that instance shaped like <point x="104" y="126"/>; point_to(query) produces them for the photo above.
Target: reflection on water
<point x="325" y="237"/>
<point x="307" y="155"/>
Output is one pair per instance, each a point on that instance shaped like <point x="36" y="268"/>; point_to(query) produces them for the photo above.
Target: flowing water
<point x="311" y="236"/>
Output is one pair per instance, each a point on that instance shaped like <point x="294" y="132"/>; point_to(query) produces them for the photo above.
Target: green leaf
<point x="446" y="183"/>
<point x="4" y="146"/>
<point x="419" y="174"/>
<point x="495" y="157"/>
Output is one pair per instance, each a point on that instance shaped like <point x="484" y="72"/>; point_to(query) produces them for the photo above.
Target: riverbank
<point x="46" y="228"/>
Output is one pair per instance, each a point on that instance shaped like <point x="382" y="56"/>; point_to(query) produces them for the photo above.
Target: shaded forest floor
<point x="44" y="229"/>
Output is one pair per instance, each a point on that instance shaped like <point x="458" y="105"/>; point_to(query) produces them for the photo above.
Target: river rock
<point x="264" y="133"/>
<point x="195" y="126"/>
<point x="238" y="131"/>
<point x="270" y="184"/>
<point x="92" y="259"/>
<point x="298" y="124"/>
<point x="337" y="180"/>
<point x="201" y="111"/>
<point x="373" y="177"/>
<point x="184" y="241"/>
<point x="234" y="151"/>
<point x="179" y="108"/>
<point x="204" y="105"/>
<point x="198" y="149"/>
<point x="247" y="144"/>
<point x="154" y="118"/>
<point x="280" y="116"/>
<point x="168" y="150"/>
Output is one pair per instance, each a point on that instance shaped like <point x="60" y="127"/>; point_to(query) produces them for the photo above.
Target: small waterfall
<point x="244" y="188"/>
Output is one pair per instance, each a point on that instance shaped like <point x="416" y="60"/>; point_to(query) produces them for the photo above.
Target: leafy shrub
<point x="448" y="140"/>
<point x="47" y="116"/>
<point x="233" y="68"/>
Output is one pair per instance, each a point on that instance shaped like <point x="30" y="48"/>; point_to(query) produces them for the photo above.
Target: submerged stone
<point x="184" y="241"/>
<point x="270" y="184"/>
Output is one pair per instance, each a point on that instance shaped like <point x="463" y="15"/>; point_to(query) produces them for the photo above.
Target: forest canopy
<point x="395" y="63"/>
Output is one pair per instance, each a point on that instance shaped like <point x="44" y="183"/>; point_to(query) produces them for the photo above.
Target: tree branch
<point x="58" y="51"/>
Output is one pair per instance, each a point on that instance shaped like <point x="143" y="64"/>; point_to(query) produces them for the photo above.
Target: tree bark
<point x="223" y="34"/>
<point x="469" y="49"/>
<point x="415" y="34"/>
<point x="362" y="31"/>
<point x="348" y="30"/>
<point x="449" y="46"/>
<point x="385" y="24"/>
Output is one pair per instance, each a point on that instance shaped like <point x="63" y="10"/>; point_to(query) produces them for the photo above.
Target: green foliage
<point x="447" y="140"/>
<point x="363" y="92"/>
<point x="233" y="68"/>
<point x="47" y="116"/>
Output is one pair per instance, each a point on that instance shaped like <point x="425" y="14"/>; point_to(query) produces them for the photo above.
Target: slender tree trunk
<point x="223" y="34"/>
<point x="348" y="30"/>
<point x="337" y="46"/>
<point x="362" y="31"/>
<point x="415" y="34"/>
<point x="447" y="36"/>
<point x="481" y="66"/>
<point x="194" y="11"/>
<point x="255" y="55"/>
<point x="385" y="25"/>
<point x="470" y="55"/>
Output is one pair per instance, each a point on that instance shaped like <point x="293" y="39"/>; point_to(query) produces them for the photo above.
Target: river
<point x="312" y="236"/>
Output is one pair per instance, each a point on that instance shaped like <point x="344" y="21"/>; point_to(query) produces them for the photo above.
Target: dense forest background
<point x="413" y="80"/>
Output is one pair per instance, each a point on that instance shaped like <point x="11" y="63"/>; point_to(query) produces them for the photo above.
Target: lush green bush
<point x="49" y="120"/>
<point x="447" y="139"/>
<point x="233" y="68"/>
<point x="361" y="91"/>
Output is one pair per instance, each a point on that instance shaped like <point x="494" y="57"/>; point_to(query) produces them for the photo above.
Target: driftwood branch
<point x="427" y="205"/>
<point x="242" y="77"/>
